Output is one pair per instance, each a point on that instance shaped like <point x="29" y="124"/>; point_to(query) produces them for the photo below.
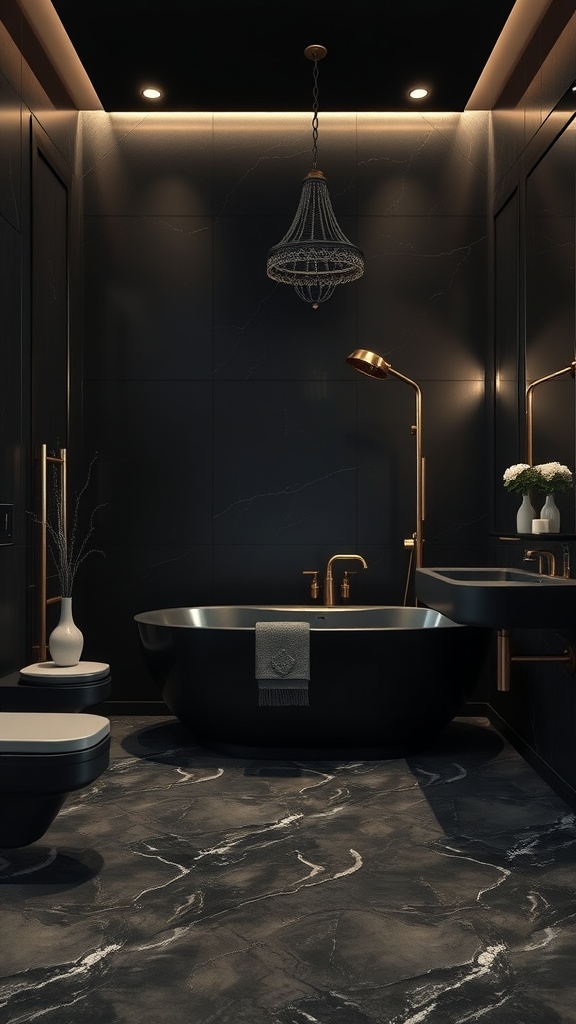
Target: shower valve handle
<point x="314" y="585"/>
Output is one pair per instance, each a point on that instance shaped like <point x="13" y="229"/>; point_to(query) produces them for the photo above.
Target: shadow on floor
<point x="168" y="741"/>
<point x="45" y="868"/>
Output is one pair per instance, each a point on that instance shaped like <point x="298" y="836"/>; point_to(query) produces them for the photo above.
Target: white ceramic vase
<point x="66" y="641"/>
<point x="524" y="516"/>
<point x="551" y="512"/>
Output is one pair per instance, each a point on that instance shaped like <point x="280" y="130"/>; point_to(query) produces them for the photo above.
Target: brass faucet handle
<point x="314" y="585"/>
<point x="345" y="585"/>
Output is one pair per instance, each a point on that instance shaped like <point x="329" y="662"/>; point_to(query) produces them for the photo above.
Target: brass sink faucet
<point x="542" y="555"/>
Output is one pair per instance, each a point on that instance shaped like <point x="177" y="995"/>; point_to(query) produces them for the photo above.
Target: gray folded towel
<point x="282" y="663"/>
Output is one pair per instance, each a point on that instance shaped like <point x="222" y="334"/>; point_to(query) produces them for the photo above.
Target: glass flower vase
<point x="551" y="512"/>
<point x="66" y="641"/>
<point x="524" y="516"/>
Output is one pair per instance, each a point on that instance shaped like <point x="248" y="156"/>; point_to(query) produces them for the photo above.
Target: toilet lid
<point x="49" y="732"/>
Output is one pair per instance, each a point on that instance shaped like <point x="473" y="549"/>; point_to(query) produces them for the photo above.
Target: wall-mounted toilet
<point x="45" y="756"/>
<point x="46" y="687"/>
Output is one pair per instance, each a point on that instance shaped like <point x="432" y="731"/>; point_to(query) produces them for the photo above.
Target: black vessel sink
<point x="497" y="597"/>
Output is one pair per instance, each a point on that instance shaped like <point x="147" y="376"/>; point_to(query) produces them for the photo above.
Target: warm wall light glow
<point x="418" y="93"/>
<point x="151" y="93"/>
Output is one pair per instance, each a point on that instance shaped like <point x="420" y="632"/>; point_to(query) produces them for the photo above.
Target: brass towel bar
<point x="505" y="659"/>
<point x="44" y="601"/>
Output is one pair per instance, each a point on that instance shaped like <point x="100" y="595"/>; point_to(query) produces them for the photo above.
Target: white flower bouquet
<point x="553" y="478"/>
<point x="520" y="479"/>
<point x="548" y="477"/>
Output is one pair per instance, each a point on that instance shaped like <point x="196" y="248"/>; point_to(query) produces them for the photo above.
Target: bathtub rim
<point x="433" y="619"/>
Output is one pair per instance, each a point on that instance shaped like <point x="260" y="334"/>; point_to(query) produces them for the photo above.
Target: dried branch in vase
<point x="67" y="548"/>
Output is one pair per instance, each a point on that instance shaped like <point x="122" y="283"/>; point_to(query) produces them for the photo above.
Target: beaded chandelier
<point x="314" y="255"/>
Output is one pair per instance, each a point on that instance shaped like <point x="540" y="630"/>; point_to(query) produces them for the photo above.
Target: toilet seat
<point x="50" y="732"/>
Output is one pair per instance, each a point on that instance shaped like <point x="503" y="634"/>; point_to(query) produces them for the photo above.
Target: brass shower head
<point x="369" y="363"/>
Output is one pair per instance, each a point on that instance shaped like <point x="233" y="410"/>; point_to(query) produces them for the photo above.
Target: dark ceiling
<point x="248" y="55"/>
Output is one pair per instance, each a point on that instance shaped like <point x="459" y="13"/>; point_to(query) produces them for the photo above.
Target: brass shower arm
<point x="529" y="440"/>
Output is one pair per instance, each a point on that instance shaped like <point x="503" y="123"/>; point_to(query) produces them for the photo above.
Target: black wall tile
<point x="260" y="161"/>
<point x="284" y="462"/>
<point x="148" y="304"/>
<point x="147" y="165"/>
<point x="154" y="460"/>
<point x="422" y="165"/>
<point x="422" y="301"/>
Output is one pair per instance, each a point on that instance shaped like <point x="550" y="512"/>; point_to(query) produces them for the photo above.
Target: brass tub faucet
<point x="329" y="601"/>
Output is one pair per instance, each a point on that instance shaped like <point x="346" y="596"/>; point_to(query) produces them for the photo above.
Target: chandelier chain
<point x="315" y="114"/>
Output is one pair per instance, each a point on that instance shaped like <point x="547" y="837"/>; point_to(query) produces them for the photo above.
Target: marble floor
<point x="188" y="887"/>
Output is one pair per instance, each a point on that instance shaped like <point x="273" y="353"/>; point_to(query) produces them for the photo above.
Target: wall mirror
<point x="550" y="309"/>
<point x="508" y="359"/>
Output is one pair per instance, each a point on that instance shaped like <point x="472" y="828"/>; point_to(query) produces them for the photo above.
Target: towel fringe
<point x="292" y="693"/>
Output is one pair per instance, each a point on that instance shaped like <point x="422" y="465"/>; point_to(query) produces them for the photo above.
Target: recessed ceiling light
<point x="419" y="92"/>
<point x="151" y="93"/>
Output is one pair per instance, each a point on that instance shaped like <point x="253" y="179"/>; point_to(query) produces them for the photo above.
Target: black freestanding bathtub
<point x="384" y="680"/>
